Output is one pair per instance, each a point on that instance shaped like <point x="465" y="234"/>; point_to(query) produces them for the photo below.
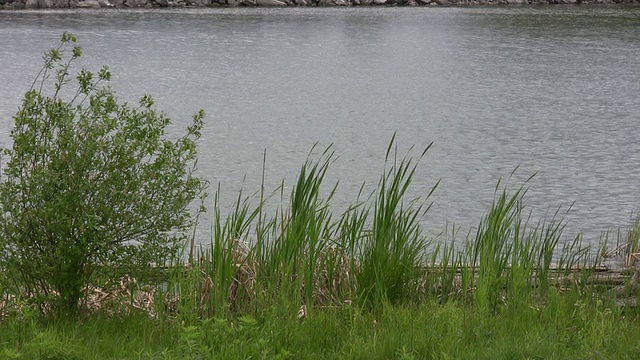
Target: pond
<point x="552" y="90"/>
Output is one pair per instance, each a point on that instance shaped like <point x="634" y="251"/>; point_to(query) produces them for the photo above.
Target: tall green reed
<point x="342" y="264"/>
<point x="513" y="259"/>
<point x="290" y="259"/>
<point x="392" y="252"/>
<point x="546" y="237"/>
<point x="217" y="278"/>
<point x="375" y="251"/>
<point x="492" y="246"/>
<point x="226" y="263"/>
<point x="443" y="277"/>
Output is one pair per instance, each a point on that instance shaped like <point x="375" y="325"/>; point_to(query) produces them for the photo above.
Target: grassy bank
<point x="566" y="327"/>
<point x="305" y="283"/>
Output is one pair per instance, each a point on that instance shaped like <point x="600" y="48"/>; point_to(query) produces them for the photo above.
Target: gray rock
<point x="233" y="3"/>
<point x="89" y="4"/>
<point x="443" y="2"/>
<point x="200" y="2"/>
<point x="129" y="3"/>
<point x="31" y="4"/>
<point x="45" y="4"/>
<point x="379" y="2"/>
<point x="162" y="3"/>
<point x="134" y="3"/>
<point x="117" y="3"/>
<point x="60" y="4"/>
<point x="301" y="2"/>
<point x="270" y="3"/>
<point x="105" y="3"/>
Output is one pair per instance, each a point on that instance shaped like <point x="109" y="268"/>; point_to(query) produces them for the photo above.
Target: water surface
<point x="554" y="90"/>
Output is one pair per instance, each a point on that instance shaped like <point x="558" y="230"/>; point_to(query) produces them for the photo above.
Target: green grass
<point x="566" y="328"/>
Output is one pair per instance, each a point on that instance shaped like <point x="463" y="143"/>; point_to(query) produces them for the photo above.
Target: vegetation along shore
<point x="98" y="259"/>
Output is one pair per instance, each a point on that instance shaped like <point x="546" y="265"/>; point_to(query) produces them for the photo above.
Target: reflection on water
<point x="551" y="89"/>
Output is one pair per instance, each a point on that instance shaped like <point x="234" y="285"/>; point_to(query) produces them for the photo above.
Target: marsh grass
<point x="296" y="250"/>
<point x="376" y="253"/>
<point x="304" y="255"/>
<point x="392" y="251"/>
<point x="305" y="283"/>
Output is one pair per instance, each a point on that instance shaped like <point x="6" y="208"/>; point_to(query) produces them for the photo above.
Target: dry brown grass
<point x="116" y="297"/>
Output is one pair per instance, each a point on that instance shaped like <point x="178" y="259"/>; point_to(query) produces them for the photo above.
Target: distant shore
<point x="125" y="4"/>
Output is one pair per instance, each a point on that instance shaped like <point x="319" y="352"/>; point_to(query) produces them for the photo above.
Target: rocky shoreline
<point x="120" y="4"/>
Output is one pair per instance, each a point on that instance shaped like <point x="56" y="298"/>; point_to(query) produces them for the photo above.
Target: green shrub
<point x="90" y="183"/>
